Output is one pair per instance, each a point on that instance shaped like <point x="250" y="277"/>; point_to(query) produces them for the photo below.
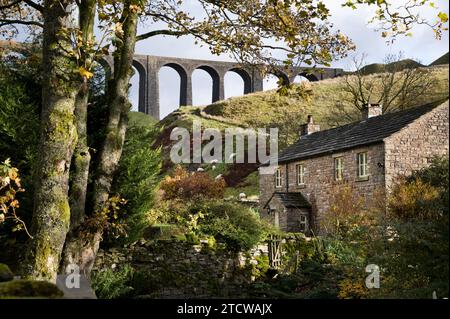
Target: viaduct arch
<point x="149" y="66"/>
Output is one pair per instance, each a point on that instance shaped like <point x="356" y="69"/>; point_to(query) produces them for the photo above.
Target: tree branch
<point x="160" y="32"/>
<point x="4" y="22"/>
<point x="34" y="5"/>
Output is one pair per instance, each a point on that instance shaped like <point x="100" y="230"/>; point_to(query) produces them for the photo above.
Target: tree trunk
<point x="51" y="214"/>
<point x="119" y="106"/>
<point x="82" y="158"/>
<point x="83" y="248"/>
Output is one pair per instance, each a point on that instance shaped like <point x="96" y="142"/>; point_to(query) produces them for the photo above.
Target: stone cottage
<point x="367" y="156"/>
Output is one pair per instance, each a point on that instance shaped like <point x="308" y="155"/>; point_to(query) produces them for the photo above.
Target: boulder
<point x="5" y="273"/>
<point x="29" y="289"/>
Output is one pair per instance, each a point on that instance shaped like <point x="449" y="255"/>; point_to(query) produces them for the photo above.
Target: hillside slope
<point x="398" y="65"/>
<point x="270" y="109"/>
<point x="442" y="60"/>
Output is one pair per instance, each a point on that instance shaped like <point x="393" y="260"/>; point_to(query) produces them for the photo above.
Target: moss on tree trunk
<point x="51" y="214"/>
<point x="83" y="247"/>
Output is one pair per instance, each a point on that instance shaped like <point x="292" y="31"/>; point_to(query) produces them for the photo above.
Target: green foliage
<point x="414" y="254"/>
<point x="19" y="121"/>
<point x="113" y="284"/>
<point x="234" y="224"/>
<point x="137" y="177"/>
<point x="5" y="273"/>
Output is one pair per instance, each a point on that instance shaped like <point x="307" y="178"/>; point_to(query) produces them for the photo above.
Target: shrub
<point x="183" y="185"/>
<point x="20" y="98"/>
<point x="414" y="199"/>
<point x="9" y="188"/>
<point x="234" y="224"/>
<point x="113" y="284"/>
<point x="348" y="213"/>
<point x="137" y="178"/>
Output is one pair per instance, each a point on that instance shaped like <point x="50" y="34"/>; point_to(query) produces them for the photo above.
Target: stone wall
<point x="414" y="146"/>
<point x="176" y="269"/>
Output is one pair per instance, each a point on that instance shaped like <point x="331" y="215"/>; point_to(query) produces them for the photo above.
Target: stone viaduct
<point x="148" y="68"/>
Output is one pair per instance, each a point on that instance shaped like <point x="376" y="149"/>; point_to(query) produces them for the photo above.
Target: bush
<point x="137" y="178"/>
<point x="238" y="226"/>
<point x="183" y="185"/>
<point x="20" y="102"/>
<point x="414" y="199"/>
<point x="113" y="284"/>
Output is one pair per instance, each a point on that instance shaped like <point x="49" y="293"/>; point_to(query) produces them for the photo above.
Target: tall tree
<point x="51" y="214"/>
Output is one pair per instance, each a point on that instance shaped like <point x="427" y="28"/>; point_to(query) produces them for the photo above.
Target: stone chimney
<point x="371" y="110"/>
<point x="309" y="127"/>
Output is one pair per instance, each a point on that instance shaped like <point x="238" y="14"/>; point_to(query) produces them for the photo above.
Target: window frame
<point x="300" y="174"/>
<point x="339" y="159"/>
<point x="303" y="223"/>
<point x="278" y="178"/>
<point x="362" y="165"/>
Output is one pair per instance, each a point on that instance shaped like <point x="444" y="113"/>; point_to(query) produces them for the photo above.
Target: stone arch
<point x="216" y="81"/>
<point x="269" y="78"/>
<point x="310" y="76"/>
<point x="142" y="85"/>
<point x="245" y="77"/>
<point x="281" y="75"/>
<point x="184" y="82"/>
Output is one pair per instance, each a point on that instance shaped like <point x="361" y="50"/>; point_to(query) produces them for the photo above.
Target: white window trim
<point x="300" y="170"/>
<point x="340" y="168"/>
<point x="278" y="178"/>
<point x="363" y="165"/>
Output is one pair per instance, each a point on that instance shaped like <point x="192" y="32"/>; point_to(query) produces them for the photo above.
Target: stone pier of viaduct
<point x="148" y="68"/>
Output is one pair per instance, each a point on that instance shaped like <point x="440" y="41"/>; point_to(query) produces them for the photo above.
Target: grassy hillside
<point x="262" y="108"/>
<point x="399" y="65"/>
<point x="442" y="60"/>
<point x="268" y="109"/>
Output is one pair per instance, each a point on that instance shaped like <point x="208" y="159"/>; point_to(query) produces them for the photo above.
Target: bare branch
<point x="34" y="5"/>
<point x="161" y="32"/>
<point x="4" y="22"/>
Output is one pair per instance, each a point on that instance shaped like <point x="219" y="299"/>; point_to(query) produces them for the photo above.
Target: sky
<point x="422" y="46"/>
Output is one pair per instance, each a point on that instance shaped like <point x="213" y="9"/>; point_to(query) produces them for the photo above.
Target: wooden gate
<point x="274" y="248"/>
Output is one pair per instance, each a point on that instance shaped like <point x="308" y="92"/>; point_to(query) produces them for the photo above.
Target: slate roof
<point x="365" y="132"/>
<point x="290" y="200"/>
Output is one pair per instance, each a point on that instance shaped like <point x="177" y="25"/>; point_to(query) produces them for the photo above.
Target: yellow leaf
<point x="85" y="73"/>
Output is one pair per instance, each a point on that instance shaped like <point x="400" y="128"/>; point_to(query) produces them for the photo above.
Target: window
<point x="363" y="171"/>
<point x="278" y="181"/>
<point x="300" y="174"/>
<point x="339" y="168"/>
<point x="303" y="223"/>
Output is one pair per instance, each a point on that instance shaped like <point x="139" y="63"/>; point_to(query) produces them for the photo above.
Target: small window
<point x="303" y="223"/>
<point x="339" y="168"/>
<point x="363" y="169"/>
<point x="300" y="174"/>
<point x="278" y="179"/>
